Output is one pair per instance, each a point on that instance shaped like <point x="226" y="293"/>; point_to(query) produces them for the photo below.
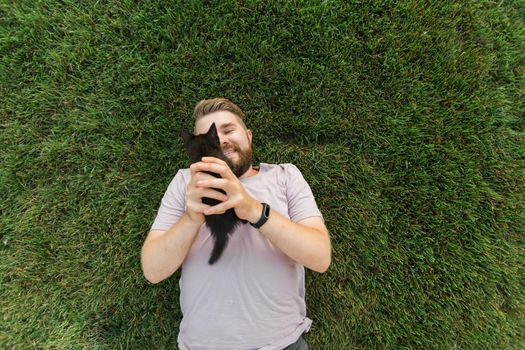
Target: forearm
<point x="305" y="245"/>
<point x="162" y="255"/>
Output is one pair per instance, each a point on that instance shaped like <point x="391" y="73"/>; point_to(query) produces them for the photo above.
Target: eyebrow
<point x="227" y="125"/>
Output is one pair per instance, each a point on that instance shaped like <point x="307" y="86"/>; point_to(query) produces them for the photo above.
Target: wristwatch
<point x="264" y="216"/>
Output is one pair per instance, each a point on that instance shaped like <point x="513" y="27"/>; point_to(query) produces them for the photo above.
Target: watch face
<point x="267" y="211"/>
<point x="264" y="216"/>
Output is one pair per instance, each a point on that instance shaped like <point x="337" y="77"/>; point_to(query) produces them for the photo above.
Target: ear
<point x="186" y="136"/>
<point x="212" y="136"/>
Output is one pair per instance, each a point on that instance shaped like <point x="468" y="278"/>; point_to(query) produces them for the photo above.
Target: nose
<point x="223" y="140"/>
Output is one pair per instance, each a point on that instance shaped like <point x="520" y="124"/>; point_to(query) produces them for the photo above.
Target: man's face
<point x="235" y="141"/>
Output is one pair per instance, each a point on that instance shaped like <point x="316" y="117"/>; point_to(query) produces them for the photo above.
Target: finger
<point x="213" y="160"/>
<point x="211" y="193"/>
<point x="200" y="176"/>
<point x="196" y="168"/>
<point x="222" y="169"/>
<point x="203" y="176"/>
<point x="213" y="167"/>
<point x="199" y="208"/>
<point x="193" y="169"/>
<point x="223" y="184"/>
<point x="218" y="209"/>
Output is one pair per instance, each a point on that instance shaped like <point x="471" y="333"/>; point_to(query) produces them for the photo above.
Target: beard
<point x="244" y="162"/>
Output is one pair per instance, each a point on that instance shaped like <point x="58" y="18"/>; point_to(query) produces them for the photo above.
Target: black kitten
<point x="221" y="225"/>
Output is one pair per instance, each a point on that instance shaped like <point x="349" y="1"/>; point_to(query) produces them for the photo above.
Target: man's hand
<point x="306" y="242"/>
<point x="194" y="194"/>
<point x="245" y="206"/>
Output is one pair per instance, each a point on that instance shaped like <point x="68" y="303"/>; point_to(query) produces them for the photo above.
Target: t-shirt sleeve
<point x="301" y="201"/>
<point x="172" y="205"/>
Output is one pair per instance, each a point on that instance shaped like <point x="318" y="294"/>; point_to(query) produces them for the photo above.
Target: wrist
<point x="255" y="214"/>
<point x="265" y="215"/>
<point x="196" y="220"/>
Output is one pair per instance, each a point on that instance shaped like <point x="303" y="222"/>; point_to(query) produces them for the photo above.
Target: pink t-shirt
<point x="253" y="297"/>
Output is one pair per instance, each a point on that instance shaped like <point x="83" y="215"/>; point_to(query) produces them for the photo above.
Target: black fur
<point x="221" y="225"/>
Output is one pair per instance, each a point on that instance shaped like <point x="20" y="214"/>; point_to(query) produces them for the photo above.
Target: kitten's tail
<point x="218" y="248"/>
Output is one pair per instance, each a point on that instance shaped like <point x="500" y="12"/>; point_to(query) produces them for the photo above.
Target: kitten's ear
<point x="186" y="136"/>
<point x="212" y="136"/>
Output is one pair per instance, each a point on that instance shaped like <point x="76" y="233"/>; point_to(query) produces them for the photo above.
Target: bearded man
<point x="253" y="297"/>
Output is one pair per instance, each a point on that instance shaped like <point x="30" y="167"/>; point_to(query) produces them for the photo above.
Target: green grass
<point x="407" y="119"/>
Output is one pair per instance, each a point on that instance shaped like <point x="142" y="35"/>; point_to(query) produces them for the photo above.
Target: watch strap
<point x="264" y="216"/>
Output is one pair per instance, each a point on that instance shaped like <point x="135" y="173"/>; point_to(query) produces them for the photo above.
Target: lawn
<point x="406" y="118"/>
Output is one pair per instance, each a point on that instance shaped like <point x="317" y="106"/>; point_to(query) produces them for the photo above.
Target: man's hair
<point x="205" y="107"/>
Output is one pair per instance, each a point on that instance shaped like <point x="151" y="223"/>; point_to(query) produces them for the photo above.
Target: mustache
<point x="231" y="148"/>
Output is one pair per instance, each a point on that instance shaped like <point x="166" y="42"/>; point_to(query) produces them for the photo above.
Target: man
<point x="253" y="296"/>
